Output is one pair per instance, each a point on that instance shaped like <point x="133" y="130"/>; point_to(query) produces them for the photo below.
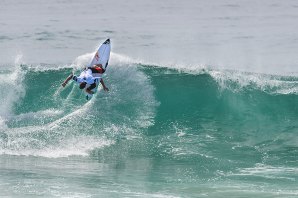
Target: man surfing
<point x="89" y="77"/>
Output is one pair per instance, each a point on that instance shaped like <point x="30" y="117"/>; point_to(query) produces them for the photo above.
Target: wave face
<point x="216" y="125"/>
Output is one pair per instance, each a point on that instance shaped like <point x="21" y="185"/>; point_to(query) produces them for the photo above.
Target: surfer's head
<point x="83" y="85"/>
<point x="100" y="70"/>
<point x="103" y="70"/>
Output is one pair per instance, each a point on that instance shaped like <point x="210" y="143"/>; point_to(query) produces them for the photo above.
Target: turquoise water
<point x="202" y="101"/>
<point x="163" y="133"/>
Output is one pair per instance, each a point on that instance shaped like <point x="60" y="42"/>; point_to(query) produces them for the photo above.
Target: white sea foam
<point x="76" y="146"/>
<point x="236" y="81"/>
<point x="68" y="133"/>
<point x="38" y="114"/>
<point x="11" y="88"/>
<point x="267" y="171"/>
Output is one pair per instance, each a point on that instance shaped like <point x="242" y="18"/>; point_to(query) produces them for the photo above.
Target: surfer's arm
<point x="103" y="85"/>
<point x="67" y="79"/>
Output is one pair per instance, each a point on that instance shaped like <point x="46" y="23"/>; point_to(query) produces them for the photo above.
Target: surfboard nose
<point x="107" y="41"/>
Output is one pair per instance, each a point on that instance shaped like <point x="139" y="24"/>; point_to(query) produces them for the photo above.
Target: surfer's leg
<point x="92" y="86"/>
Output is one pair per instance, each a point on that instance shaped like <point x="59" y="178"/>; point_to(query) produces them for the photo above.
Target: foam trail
<point x="66" y="124"/>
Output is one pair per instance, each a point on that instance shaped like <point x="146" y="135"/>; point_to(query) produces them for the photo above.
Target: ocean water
<point x="203" y="99"/>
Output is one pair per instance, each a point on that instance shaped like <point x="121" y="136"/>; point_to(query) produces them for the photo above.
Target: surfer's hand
<point x="106" y="89"/>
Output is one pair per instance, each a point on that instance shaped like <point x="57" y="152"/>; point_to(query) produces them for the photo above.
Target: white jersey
<point x="85" y="76"/>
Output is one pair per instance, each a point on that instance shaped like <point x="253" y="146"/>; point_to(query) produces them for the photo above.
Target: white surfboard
<point x="102" y="56"/>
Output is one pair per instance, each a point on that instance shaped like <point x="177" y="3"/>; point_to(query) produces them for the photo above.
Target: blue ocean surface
<point x="203" y="99"/>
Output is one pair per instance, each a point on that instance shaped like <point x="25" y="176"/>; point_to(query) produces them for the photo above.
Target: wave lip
<point x="237" y="81"/>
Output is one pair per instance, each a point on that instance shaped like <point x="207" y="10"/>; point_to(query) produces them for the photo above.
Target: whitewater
<point x="203" y="99"/>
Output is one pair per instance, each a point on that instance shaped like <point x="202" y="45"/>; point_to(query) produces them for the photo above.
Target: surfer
<point x="97" y="71"/>
<point x="91" y="76"/>
<point x="86" y="78"/>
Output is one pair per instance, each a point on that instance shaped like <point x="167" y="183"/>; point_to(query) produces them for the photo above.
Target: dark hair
<point x="83" y="85"/>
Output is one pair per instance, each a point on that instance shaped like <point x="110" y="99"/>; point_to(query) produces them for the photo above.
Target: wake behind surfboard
<point x="101" y="56"/>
